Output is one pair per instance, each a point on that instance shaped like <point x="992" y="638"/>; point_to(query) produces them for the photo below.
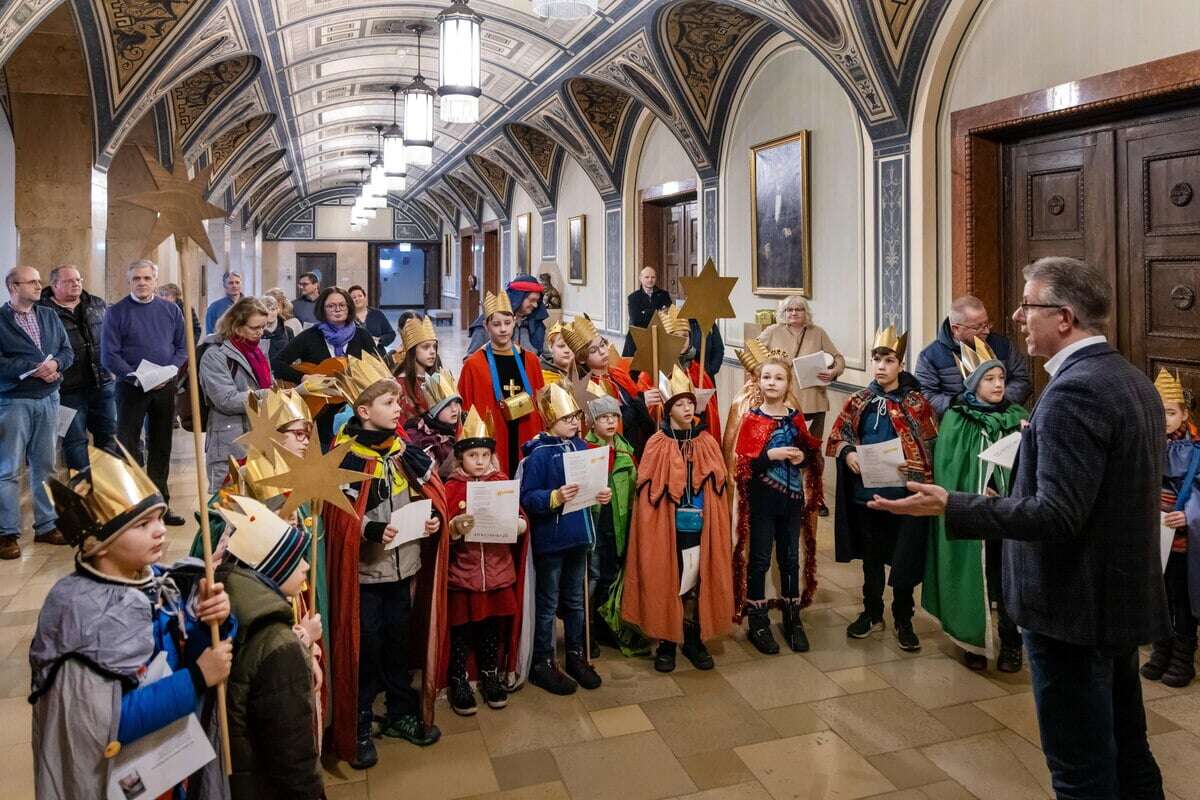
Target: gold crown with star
<point x="888" y="339"/>
<point x="972" y="357"/>
<point x="284" y="406"/>
<point x="496" y="304"/>
<point x="579" y="334"/>
<point x="416" y="331"/>
<point x="439" y="387"/>
<point x="676" y="385"/>
<point x="361" y="374"/>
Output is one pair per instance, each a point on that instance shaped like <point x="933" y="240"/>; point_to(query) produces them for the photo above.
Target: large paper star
<point x="263" y="435"/>
<point x="669" y="347"/>
<point x="179" y="203"/>
<point x="706" y="297"/>
<point x="316" y="477"/>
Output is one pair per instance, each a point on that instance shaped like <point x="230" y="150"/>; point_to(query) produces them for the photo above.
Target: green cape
<point x="955" y="586"/>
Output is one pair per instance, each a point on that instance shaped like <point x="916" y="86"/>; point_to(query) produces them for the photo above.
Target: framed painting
<point x="524" y="251"/>
<point x="447" y="255"/>
<point x="780" y="217"/>
<point x="577" y="249"/>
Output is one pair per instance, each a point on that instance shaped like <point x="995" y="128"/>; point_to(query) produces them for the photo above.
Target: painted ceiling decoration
<point x="539" y="148"/>
<point x="467" y="196"/>
<point x="604" y="108"/>
<point x="234" y="141"/>
<point x="541" y="191"/>
<point x="896" y="21"/>
<point x="246" y="177"/>
<point x="5" y="104"/>
<point x="265" y="187"/>
<point x="197" y="95"/>
<point x="495" y="176"/>
<point x="135" y="31"/>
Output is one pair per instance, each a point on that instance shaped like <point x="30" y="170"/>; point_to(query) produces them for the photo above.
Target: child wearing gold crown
<point x="593" y="356"/>
<point x="558" y="362"/>
<point x="122" y="645"/>
<point x="418" y="360"/>
<point x="1173" y="661"/>
<point x="500" y="380"/>
<point x="962" y="576"/>
<point x="678" y="572"/>
<point x="434" y="429"/>
<point x="891" y="407"/>
<point x="371" y="585"/>
<point x="560" y="543"/>
<point x="486" y="584"/>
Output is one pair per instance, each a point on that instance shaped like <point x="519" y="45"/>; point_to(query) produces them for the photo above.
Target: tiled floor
<point x="850" y="719"/>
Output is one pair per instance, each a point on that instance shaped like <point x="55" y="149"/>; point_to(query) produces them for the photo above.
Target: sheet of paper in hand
<point x="880" y="464"/>
<point x="495" y="505"/>
<point x="151" y="376"/>
<point x="25" y="375"/>
<point x="589" y="470"/>
<point x="1004" y="452"/>
<point x="409" y="520"/>
<point x="690" y="574"/>
<point x="1166" y="537"/>
<point x="807" y="367"/>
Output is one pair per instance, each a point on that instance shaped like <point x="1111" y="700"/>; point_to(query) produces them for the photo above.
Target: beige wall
<point x="577" y="195"/>
<point x="8" y="227"/>
<point x="279" y="262"/>
<point x="522" y="204"/>
<point x="662" y="160"/>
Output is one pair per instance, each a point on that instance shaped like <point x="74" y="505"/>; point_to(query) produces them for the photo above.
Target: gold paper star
<point x="315" y="476"/>
<point x="669" y="348"/>
<point x="706" y="297"/>
<point x="179" y="203"/>
<point x="263" y="435"/>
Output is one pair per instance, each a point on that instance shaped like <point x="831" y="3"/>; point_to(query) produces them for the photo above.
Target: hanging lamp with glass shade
<point x="564" y="9"/>
<point x="418" y="112"/>
<point x="395" y="164"/>
<point x="458" y="63"/>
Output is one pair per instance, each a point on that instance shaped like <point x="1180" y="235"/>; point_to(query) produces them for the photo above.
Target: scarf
<point x="337" y="336"/>
<point x="258" y="362"/>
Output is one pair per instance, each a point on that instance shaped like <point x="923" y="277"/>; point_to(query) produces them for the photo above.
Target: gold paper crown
<point x="677" y="384"/>
<point x="755" y="354"/>
<point x="248" y="477"/>
<point x="105" y="499"/>
<point x="888" y="338"/>
<point x="496" y="304"/>
<point x="474" y="427"/>
<point x="1169" y="388"/>
<point x="285" y="406"/>
<point x="555" y="402"/>
<point x="361" y="374"/>
<point x="673" y="323"/>
<point x="580" y="333"/>
<point x="416" y="331"/>
<point x="554" y="330"/>
<point x="439" y="386"/>
<point x="971" y="358"/>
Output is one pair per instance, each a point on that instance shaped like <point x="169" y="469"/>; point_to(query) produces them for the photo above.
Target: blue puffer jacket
<point x="941" y="382"/>
<point x="542" y="473"/>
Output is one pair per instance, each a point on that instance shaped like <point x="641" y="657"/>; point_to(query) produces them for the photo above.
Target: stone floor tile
<point x="833" y="650"/>
<point x="527" y="768"/>
<point x="1016" y="712"/>
<point x="348" y="791"/>
<point x="715" y="769"/>
<point x="946" y="790"/>
<point x="857" y="679"/>
<point x="779" y="681"/>
<point x="986" y="767"/>
<point x="1182" y="709"/>
<point x="1178" y="756"/>
<point x="752" y="790"/>
<point x="635" y="767"/>
<point x="625" y="682"/>
<point x="536" y="719"/>
<point x="456" y="766"/>
<point x="554" y="790"/>
<point x="817" y="766"/>
<point x="935" y="681"/>
<point x="16" y="721"/>
<point x="1030" y="756"/>
<point x="966" y="719"/>
<point x="621" y="720"/>
<point x="716" y="720"/>
<point x="881" y="722"/>
<point x="907" y="769"/>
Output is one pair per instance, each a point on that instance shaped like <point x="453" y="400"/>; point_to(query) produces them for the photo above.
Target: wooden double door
<point x="1123" y="196"/>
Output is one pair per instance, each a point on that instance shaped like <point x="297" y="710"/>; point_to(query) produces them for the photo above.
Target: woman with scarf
<point x="529" y="329"/>
<point x="232" y="365"/>
<point x="334" y="336"/>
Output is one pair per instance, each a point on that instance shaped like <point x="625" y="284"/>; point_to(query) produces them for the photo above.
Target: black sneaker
<point x="583" y="672"/>
<point x="461" y="696"/>
<point x="973" y="661"/>
<point x="410" y="728"/>
<point x="693" y="647"/>
<point x="907" y="637"/>
<point x="365" y="754"/>
<point x="864" y="626"/>
<point x="664" y="659"/>
<point x="492" y="689"/>
<point x="173" y="519"/>
<point x="759" y="634"/>
<point x="1010" y="658"/>
<point x="547" y="675"/>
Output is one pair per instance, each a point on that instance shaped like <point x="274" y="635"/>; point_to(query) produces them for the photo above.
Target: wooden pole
<point x="312" y="556"/>
<point x="202" y="485"/>
<point x="701" y="372"/>
<point x="654" y="354"/>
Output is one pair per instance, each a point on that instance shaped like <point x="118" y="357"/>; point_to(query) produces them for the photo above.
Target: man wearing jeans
<point x="1082" y="569"/>
<point x="144" y="327"/>
<point x="34" y="351"/>
<point x="86" y="387"/>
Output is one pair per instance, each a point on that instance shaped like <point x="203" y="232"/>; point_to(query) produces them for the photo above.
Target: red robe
<point x="476" y="389"/>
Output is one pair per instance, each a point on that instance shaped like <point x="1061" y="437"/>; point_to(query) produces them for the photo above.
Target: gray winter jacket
<point x="227" y="378"/>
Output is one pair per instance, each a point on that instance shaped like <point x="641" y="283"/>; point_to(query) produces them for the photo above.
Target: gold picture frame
<point x="447" y="255"/>
<point x="781" y="255"/>
<point x="524" y="228"/>
<point x="577" y="249"/>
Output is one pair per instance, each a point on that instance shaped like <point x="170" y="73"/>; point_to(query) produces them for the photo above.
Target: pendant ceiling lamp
<point x="564" y="9"/>
<point x="458" y="63"/>
<point x="395" y="164"/>
<point x="418" y="112"/>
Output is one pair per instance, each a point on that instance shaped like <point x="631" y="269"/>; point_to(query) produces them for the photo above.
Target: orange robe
<point x="712" y="414"/>
<point x="651" y="600"/>
<point x="475" y="388"/>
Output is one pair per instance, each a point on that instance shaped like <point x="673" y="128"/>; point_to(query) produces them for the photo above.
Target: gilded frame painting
<point x="781" y="217"/>
<point x="524" y="224"/>
<point x="577" y="249"/>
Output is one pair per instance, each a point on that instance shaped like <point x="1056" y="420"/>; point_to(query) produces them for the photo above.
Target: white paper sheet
<point x="25" y="375"/>
<point x="150" y="375"/>
<point x="409" y="520"/>
<point x="702" y="398"/>
<point x="496" y="506"/>
<point x="588" y="469"/>
<point x="690" y="574"/>
<point x="1004" y="452"/>
<point x="807" y="367"/>
<point x="880" y="464"/>
<point x="66" y="415"/>
<point x="1166" y="536"/>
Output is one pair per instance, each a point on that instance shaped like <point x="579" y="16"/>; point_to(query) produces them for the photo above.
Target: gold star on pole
<point x="179" y="203"/>
<point x="667" y="348"/>
<point x="315" y="477"/>
<point x="706" y="297"/>
<point x="263" y="435"/>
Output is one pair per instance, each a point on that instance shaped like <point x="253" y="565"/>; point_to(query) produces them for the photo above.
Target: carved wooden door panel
<point x="674" y="255"/>
<point x="1160" y="163"/>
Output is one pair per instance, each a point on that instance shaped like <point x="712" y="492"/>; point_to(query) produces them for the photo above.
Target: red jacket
<point x="476" y="566"/>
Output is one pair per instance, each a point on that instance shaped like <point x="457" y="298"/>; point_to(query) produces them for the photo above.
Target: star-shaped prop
<point x="706" y="297"/>
<point x="263" y="434"/>
<point x="316" y="477"/>
<point x="669" y="347"/>
<point x="317" y="398"/>
<point x="179" y="203"/>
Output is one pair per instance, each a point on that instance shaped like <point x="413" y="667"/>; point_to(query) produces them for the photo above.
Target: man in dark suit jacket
<point x="643" y="302"/>
<point x="1082" y="569"/>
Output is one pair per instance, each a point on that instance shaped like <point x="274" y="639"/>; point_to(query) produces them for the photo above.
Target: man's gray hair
<point x="225" y="277"/>
<point x="10" y="277"/>
<point x="960" y="306"/>
<point x="54" y="273"/>
<point x="141" y="263"/>
<point x="1074" y="284"/>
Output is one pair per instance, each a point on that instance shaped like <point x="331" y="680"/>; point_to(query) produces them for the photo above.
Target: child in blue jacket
<point x="560" y="543"/>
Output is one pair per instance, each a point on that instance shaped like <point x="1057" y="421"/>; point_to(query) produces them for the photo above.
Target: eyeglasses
<point x="983" y="326"/>
<point x="596" y="349"/>
<point x="70" y="281"/>
<point x="335" y="306"/>
<point x="34" y="281"/>
<point x="303" y="434"/>
<point x="1024" y="307"/>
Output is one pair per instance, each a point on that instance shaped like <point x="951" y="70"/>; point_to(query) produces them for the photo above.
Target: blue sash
<point x="491" y="359"/>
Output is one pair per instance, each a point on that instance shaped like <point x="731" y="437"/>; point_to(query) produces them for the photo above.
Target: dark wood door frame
<point x="468" y="294"/>
<point x="977" y="142"/>
<point x="491" y="257"/>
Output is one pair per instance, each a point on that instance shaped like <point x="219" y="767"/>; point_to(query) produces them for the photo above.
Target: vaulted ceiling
<point x="281" y="96"/>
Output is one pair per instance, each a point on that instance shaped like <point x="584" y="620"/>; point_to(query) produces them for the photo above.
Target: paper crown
<point x="672" y="322"/>
<point x="580" y="333"/>
<point x="361" y="374"/>
<point x="416" y="331"/>
<point x="247" y="478"/>
<point x="496" y="304"/>
<point x="261" y="540"/>
<point x="675" y="386"/>
<point x="554" y="330"/>
<point x="439" y="388"/>
<point x="476" y="432"/>
<point x="555" y="402"/>
<point x="887" y="338"/>
<point x="100" y="502"/>
<point x="972" y="358"/>
<point x="1169" y="388"/>
<point x="284" y="406"/>
<point x="755" y="354"/>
